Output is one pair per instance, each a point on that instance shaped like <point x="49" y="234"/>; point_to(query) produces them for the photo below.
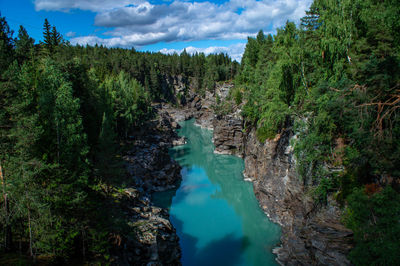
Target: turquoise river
<point x="214" y="210"/>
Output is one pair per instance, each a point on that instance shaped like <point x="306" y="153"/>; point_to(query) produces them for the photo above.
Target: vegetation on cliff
<point x="336" y="78"/>
<point x="64" y="112"/>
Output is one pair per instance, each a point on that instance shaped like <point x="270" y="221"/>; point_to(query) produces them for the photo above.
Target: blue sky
<point x="164" y="25"/>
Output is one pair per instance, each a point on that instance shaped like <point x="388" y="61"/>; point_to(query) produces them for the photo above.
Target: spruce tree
<point x="23" y="45"/>
<point x="47" y="36"/>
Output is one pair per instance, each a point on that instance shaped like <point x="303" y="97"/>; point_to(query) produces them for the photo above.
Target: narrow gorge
<point x="311" y="234"/>
<point x="177" y="132"/>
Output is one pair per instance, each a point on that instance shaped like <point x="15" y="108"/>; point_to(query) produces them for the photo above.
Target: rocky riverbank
<point x="153" y="240"/>
<point x="311" y="234"/>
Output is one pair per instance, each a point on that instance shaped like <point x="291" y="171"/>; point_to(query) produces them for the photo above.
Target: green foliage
<point x="272" y="118"/>
<point x="64" y="111"/>
<point x="23" y="45"/>
<point x="52" y="38"/>
<point x="236" y="94"/>
<point x="336" y="79"/>
<point x="6" y="45"/>
<point x="325" y="186"/>
<point x="374" y="220"/>
<point x="313" y="149"/>
<point x="223" y="108"/>
<point x="130" y="102"/>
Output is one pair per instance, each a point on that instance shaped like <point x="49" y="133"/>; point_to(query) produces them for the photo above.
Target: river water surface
<point x="214" y="211"/>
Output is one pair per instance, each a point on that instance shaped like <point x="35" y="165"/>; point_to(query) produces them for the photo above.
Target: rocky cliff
<point x="149" y="166"/>
<point x="228" y="135"/>
<point x="152" y="239"/>
<point x="311" y="234"/>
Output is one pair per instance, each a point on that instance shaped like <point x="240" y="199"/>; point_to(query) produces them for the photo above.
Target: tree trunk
<point x="8" y="234"/>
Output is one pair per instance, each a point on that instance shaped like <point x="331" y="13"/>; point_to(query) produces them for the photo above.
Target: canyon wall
<point x="311" y="234"/>
<point x="153" y="239"/>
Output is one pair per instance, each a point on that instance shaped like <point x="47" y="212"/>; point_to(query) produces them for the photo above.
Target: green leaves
<point x="52" y="38"/>
<point x="129" y="101"/>
<point x="374" y="220"/>
<point x="337" y="78"/>
<point x="270" y="73"/>
<point x="272" y="119"/>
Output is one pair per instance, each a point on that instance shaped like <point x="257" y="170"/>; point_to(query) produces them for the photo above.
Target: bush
<point x="272" y="119"/>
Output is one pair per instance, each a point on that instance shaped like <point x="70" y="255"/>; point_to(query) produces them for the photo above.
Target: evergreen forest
<point x="335" y="79"/>
<point x="65" y="112"/>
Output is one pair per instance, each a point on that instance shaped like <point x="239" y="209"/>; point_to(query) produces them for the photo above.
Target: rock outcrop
<point x="311" y="235"/>
<point x="151" y="169"/>
<point x="228" y="135"/>
<point x="153" y="240"/>
<point x="148" y="162"/>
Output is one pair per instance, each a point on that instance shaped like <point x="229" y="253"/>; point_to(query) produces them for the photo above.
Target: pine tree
<point x="23" y="45"/>
<point x="6" y="45"/>
<point x="56" y="38"/>
<point x="47" y="36"/>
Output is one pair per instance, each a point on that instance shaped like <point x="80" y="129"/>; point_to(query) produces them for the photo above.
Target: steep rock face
<point x="205" y="115"/>
<point x="172" y="86"/>
<point x="228" y="135"/>
<point x="311" y="235"/>
<point x="197" y="107"/>
<point x="152" y="169"/>
<point x="149" y="163"/>
<point x="202" y="108"/>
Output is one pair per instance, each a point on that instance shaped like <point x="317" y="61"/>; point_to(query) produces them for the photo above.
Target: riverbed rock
<point x="179" y="142"/>
<point x="148" y="161"/>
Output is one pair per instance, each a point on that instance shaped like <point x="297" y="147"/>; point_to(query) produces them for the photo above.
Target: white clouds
<point x="70" y="34"/>
<point x="235" y="51"/>
<point x="125" y="41"/>
<point x="92" y="5"/>
<point x="138" y="22"/>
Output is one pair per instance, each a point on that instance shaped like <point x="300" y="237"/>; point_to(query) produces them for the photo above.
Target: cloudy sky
<point x="164" y="25"/>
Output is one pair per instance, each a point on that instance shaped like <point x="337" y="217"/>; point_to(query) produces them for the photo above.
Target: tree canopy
<point x="64" y="111"/>
<point x="335" y="78"/>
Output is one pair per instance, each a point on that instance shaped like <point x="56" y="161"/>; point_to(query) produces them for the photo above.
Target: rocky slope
<point x="148" y="161"/>
<point x="154" y="240"/>
<point x="311" y="235"/>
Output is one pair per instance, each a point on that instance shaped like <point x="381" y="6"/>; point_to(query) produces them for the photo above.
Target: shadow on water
<point x="179" y="152"/>
<point x="215" y="213"/>
<point x="163" y="199"/>
<point x="223" y="251"/>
